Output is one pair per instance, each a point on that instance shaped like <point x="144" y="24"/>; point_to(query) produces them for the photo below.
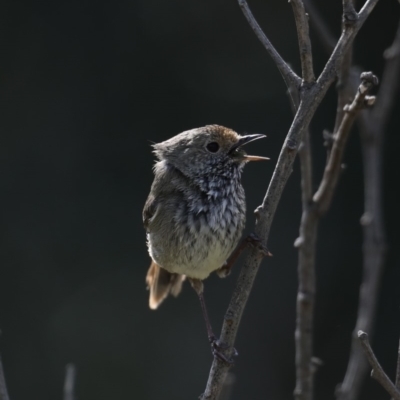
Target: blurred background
<point x="85" y="88"/>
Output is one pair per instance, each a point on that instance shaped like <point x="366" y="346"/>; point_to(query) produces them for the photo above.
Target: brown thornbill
<point x="195" y="213"/>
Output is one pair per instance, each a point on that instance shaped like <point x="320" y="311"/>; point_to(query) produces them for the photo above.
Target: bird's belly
<point x="203" y="262"/>
<point x="195" y="257"/>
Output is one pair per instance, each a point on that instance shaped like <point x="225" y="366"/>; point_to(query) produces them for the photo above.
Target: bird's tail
<point x="161" y="283"/>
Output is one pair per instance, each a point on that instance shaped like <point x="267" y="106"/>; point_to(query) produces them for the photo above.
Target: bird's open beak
<point x="255" y="158"/>
<point x="247" y="139"/>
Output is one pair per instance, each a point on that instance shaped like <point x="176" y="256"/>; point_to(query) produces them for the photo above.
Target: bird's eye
<point x="213" y="147"/>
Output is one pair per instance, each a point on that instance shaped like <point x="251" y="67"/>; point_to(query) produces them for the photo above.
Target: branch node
<point x="305" y="297"/>
<point x="298" y="242"/>
<point x="328" y="137"/>
<point x="350" y="17"/>
<point x="291" y="145"/>
<point x="369" y="101"/>
<point x="362" y="335"/>
<point x="377" y="372"/>
<point x="369" y="79"/>
<point x="316" y="364"/>
<point x="366" y="219"/>
<point x="392" y="52"/>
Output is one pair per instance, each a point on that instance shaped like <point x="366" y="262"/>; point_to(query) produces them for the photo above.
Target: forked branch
<point x="377" y="371"/>
<point x="291" y="79"/>
<point x="311" y="96"/>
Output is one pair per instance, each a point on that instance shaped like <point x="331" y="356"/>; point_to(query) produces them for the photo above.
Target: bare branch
<point x="372" y="129"/>
<point x="291" y="79"/>
<point x="227" y="389"/>
<point x="306" y="170"/>
<point x="303" y="35"/>
<point x="3" y="386"/>
<point x="311" y="97"/>
<point x="69" y="382"/>
<point x="369" y="5"/>
<point x="306" y="274"/>
<point x="349" y="32"/>
<point x="312" y="210"/>
<point x="326" y="37"/>
<point x="377" y="372"/>
<point x="345" y="87"/>
<point x="390" y="81"/>
<point x="323" y="196"/>
<point x="398" y="370"/>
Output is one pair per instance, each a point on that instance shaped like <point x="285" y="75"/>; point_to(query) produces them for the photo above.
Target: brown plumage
<point x="161" y="283"/>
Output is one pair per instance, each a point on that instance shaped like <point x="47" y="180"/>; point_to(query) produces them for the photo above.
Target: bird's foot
<point x="257" y="243"/>
<point x="218" y="349"/>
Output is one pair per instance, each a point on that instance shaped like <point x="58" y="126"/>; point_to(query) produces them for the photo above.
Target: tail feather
<point x="161" y="283"/>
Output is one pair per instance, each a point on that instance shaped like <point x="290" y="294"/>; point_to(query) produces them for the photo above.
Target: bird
<point x="195" y="213"/>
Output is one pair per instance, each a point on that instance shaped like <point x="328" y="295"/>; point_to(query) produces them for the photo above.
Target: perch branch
<point x="303" y="35"/>
<point x="312" y="96"/>
<point x="372" y="129"/>
<point x="377" y="372"/>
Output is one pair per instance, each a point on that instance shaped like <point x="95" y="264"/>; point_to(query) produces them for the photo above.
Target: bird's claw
<point x="256" y="242"/>
<point x="217" y="349"/>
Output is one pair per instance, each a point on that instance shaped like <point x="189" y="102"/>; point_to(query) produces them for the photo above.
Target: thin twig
<point x="291" y="79"/>
<point x="324" y="194"/>
<point x="69" y="382"/>
<point x="3" y="386"/>
<point x="372" y="129"/>
<point x="328" y="40"/>
<point x="306" y="170"/>
<point x="377" y="371"/>
<point x="306" y="273"/>
<point x="312" y="96"/>
<point x="303" y="36"/>
<point x="349" y="32"/>
<point x="345" y="88"/>
<point x="346" y="75"/>
<point x="390" y="82"/>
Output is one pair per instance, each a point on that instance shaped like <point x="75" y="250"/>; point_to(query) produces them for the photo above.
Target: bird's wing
<point x="165" y="195"/>
<point x="149" y="211"/>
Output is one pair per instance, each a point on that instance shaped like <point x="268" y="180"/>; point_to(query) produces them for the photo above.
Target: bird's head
<point x="209" y="150"/>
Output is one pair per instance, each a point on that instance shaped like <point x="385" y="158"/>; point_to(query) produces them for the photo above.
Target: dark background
<point x="85" y="87"/>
